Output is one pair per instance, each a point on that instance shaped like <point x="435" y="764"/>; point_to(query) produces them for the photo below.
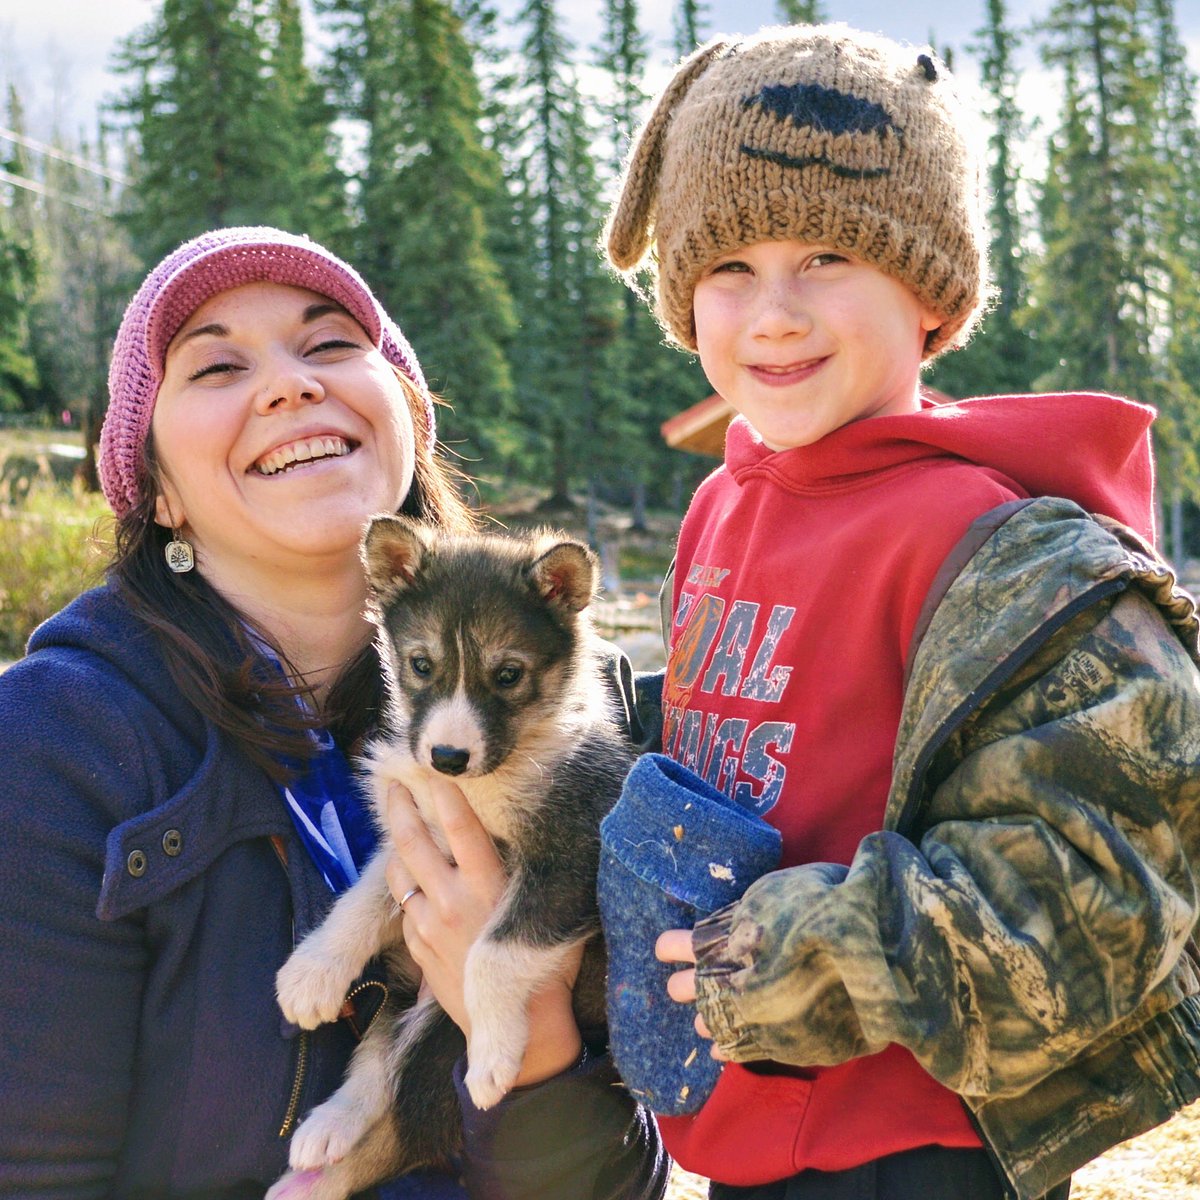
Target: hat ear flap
<point x="629" y="230"/>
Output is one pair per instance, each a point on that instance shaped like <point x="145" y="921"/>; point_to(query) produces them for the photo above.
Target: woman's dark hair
<point x="210" y="646"/>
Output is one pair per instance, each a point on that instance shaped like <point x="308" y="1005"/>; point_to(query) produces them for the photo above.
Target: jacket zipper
<point x="913" y="805"/>
<point x="289" y="1120"/>
<point x="348" y="1007"/>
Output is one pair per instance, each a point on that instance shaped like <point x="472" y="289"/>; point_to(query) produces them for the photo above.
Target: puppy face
<point x="479" y="637"/>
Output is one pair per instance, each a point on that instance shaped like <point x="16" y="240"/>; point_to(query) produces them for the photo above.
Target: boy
<point x="971" y="710"/>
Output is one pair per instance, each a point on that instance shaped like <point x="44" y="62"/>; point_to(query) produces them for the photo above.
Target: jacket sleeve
<point x="1050" y="885"/>
<point x="578" y="1136"/>
<point x="70" y="984"/>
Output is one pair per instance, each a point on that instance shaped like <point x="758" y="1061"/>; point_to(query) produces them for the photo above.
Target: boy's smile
<point x="802" y="339"/>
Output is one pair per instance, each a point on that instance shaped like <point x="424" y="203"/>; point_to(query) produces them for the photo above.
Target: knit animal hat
<point x="815" y="132"/>
<point x="184" y="280"/>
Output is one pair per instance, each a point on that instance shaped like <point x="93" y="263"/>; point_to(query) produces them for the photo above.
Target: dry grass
<point x="1163" y="1164"/>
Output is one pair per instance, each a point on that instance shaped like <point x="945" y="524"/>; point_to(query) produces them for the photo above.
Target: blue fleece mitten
<point x="673" y="849"/>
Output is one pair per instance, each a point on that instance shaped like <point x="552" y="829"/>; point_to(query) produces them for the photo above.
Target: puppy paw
<point x="311" y="990"/>
<point x="491" y="1074"/>
<point x="324" y="1138"/>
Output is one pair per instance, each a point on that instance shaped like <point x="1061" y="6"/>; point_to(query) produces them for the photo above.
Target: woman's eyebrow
<point x="214" y="329"/>
<point x="315" y="311"/>
<point x="312" y="313"/>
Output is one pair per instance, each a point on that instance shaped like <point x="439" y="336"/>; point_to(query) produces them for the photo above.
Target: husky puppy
<point x="491" y="676"/>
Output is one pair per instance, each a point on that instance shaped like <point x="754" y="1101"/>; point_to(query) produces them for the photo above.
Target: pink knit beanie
<point x="184" y="280"/>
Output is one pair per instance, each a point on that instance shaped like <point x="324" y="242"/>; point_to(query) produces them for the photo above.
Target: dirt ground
<point x="1163" y="1164"/>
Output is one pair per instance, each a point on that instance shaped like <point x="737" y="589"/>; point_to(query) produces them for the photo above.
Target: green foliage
<point x="404" y="69"/>
<point x="49" y="555"/>
<point x="645" y="560"/>
<point x="18" y="371"/>
<point x="84" y="262"/>
<point x="18" y="276"/>
<point x="649" y="381"/>
<point x="690" y="19"/>
<point x="567" y="306"/>
<point x="801" y="12"/>
<point x="1103" y="176"/>
<point x="228" y="131"/>
<point x="1004" y="355"/>
<point x="474" y="174"/>
<point x="1117" y="290"/>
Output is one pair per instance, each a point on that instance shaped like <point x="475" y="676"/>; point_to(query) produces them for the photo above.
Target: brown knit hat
<point x="815" y="132"/>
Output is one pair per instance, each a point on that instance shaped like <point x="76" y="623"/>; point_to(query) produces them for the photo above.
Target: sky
<point x="59" y="52"/>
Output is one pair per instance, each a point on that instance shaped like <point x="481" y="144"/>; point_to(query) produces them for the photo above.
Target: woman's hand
<point x="675" y="946"/>
<point x="455" y="902"/>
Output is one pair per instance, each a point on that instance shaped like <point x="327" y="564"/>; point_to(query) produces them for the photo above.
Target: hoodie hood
<point x="98" y="623"/>
<point x="1088" y="447"/>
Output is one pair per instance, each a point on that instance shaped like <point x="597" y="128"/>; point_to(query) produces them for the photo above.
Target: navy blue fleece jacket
<point x="144" y="912"/>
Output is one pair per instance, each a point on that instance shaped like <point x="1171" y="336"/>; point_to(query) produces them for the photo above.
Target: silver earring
<point x="178" y="554"/>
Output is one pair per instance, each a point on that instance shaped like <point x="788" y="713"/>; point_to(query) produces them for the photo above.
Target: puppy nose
<point x="450" y="760"/>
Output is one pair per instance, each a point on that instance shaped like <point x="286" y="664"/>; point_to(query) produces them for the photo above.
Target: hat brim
<point x="232" y="266"/>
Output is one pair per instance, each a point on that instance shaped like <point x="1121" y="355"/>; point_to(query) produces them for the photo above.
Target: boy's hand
<point x="676" y="946"/>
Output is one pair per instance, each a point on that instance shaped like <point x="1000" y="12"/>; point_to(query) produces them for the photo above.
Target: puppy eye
<point x="508" y="676"/>
<point x="421" y="665"/>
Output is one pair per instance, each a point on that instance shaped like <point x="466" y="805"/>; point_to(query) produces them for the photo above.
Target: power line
<point x="32" y="185"/>
<point x="62" y="155"/>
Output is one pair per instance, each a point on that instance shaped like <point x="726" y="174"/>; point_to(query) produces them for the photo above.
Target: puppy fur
<point x="491" y="677"/>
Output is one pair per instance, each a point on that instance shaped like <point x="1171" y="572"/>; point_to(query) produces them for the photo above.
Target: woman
<point x="178" y="801"/>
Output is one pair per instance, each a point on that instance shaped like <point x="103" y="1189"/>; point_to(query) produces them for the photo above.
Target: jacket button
<point x="135" y="864"/>
<point x="172" y="842"/>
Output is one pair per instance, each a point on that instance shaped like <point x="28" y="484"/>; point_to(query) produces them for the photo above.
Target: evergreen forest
<point x="464" y="163"/>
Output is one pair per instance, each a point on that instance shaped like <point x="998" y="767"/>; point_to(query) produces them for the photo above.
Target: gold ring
<point x="408" y="896"/>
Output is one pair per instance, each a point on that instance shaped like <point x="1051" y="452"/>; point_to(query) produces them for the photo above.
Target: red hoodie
<point x="799" y="578"/>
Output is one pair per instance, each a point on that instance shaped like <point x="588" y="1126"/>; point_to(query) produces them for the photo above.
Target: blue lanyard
<point x="326" y="803"/>
<point x="327" y="809"/>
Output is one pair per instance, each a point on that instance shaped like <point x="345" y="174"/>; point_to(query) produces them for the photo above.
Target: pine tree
<point x="1175" y="216"/>
<point x="18" y="275"/>
<point x="1102" y="172"/>
<point x="18" y="372"/>
<point x="310" y="143"/>
<point x="217" y="127"/>
<point x="1117" y="283"/>
<point x="403" y="70"/>
<point x="801" y="12"/>
<point x="86" y="261"/>
<point x="651" y="381"/>
<point x="690" y="19"/>
<point x="566" y="304"/>
<point x="23" y="201"/>
<point x="1003" y="356"/>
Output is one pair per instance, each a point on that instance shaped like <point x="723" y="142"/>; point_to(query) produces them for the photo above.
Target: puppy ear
<point x="566" y="576"/>
<point x="393" y="549"/>
<point x="630" y="227"/>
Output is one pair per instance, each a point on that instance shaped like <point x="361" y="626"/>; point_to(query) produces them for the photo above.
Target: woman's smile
<point x="302" y="452"/>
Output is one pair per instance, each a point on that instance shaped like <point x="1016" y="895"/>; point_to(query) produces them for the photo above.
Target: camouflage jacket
<point x="1023" y="923"/>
